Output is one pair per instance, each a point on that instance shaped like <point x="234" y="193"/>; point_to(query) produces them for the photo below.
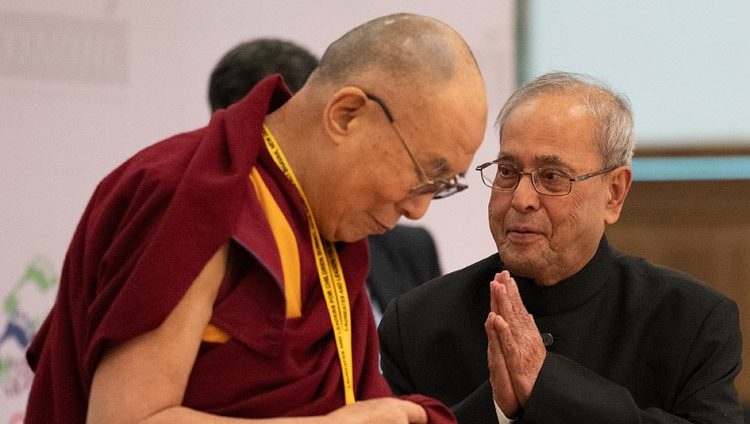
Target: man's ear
<point x="342" y="110"/>
<point x="618" y="184"/>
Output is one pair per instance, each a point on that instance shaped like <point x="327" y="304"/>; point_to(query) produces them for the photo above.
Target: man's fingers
<point x="500" y="379"/>
<point x="511" y="288"/>
<point x="414" y="412"/>
<point x="504" y="304"/>
<point x="504" y="335"/>
<point x="492" y="337"/>
<point x="510" y="305"/>
<point x="500" y="278"/>
<point x="494" y="305"/>
<point x="380" y="410"/>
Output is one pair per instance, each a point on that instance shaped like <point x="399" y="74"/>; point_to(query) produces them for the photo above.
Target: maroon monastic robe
<point x="148" y="230"/>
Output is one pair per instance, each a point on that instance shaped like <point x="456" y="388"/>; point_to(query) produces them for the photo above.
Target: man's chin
<point x="524" y="264"/>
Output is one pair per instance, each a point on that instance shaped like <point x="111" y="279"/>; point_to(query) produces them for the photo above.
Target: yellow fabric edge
<point x="214" y="334"/>
<point x="286" y="243"/>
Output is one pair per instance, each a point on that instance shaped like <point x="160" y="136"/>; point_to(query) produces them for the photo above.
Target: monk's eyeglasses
<point x="439" y="188"/>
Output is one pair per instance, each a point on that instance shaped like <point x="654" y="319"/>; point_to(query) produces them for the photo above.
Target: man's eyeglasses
<point x="437" y="187"/>
<point x="546" y="180"/>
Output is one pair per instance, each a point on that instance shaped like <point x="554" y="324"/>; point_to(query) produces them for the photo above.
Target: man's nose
<point x="414" y="207"/>
<point x="525" y="196"/>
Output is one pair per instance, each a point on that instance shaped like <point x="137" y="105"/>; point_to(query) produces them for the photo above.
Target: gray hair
<point x="611" y="111"/>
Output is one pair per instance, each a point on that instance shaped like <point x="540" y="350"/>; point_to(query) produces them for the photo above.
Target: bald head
<point x="401" y="48"/>
<point x="396" y="104"/>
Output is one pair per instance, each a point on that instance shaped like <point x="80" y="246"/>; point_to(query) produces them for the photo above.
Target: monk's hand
<point x="379" y="411"/>
<point x="517" y="335"/>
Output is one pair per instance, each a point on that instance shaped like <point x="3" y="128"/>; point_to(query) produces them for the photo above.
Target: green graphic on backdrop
<point x="22" y="323"/>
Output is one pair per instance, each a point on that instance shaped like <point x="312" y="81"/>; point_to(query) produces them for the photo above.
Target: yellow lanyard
<point x="331" y="278"/>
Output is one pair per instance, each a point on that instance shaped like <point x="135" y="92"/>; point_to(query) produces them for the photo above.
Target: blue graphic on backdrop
<point x="23" y="314"/>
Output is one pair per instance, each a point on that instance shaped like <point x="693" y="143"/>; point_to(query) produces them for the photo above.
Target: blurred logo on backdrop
<point x="59" y="48"/>
<point x="24" y="308"/>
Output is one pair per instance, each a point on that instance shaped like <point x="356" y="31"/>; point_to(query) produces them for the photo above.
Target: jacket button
<point x="547" y="339"/>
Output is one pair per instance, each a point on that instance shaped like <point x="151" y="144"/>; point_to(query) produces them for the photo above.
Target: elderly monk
<point x="218" y="275"/>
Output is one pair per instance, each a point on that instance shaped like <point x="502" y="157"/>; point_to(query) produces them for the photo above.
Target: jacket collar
<point x="573" y="291"/>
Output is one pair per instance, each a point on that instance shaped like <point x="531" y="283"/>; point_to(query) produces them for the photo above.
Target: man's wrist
<point x="501" y="417"/>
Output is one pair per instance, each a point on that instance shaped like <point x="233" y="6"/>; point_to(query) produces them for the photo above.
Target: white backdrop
<point x="683" y="64"/>
<point x="84" y="84"/>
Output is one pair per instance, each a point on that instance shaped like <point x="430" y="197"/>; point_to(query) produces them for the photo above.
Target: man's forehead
<point x="560" y="108"/>
<point x="538" y="154"/>
<point x="449" y="149"/>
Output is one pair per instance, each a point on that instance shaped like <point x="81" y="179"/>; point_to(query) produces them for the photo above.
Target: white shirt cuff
<point x="501" y="418"/>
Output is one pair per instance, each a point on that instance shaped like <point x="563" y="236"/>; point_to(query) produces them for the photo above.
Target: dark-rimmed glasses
<point x="437" y="187"/>
<point x="548" y="181"/>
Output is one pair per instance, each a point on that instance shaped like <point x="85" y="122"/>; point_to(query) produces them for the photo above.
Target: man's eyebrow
<point x="538" y="160"/>
<point x="551" y="159"/>
<point x="505" y="157"/>
<point x="441" y="167"/>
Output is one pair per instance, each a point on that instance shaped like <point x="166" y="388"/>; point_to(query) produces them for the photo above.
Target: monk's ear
<point x="343" y="112"/>
<point x="618" y="185"/>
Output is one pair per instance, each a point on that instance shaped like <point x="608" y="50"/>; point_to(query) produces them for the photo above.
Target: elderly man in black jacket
<point x="557" y="326"/>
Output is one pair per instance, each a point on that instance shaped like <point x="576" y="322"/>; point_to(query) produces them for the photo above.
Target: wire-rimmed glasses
<point x="547" y="180"/>
<point x="439" y="188"/>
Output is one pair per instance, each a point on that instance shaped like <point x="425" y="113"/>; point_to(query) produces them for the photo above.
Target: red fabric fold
<point x="144" y="237"/>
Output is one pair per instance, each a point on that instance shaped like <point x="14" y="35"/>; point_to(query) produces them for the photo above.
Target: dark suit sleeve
<point x="400" y="260"/>
<point x="477" y="407"/>
<point x="391" y="352"/>
<point x="428" y="256"/>
<point x="566" y="392"/>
